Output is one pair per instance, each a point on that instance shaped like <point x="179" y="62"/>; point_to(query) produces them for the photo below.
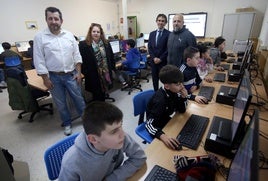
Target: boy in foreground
<point x="166" y="100"/>
<point x="98" y="152"/>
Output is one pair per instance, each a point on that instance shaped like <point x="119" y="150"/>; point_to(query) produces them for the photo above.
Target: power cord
<point x="263" y="161"/>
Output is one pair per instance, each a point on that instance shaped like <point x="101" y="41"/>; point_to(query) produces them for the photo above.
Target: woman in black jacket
<point x="98" y="62"/>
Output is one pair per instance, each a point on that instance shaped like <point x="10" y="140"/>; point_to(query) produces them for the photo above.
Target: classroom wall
<point x="77" y="16"/>
<point x="147" y="10"/>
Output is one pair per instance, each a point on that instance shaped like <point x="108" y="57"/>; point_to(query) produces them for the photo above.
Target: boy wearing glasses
<point x="167" y="99"/>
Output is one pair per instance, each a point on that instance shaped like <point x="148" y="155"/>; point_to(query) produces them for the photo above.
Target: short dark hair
<point x="163" y="16"/>
<point x="202" y="49"/>
<point x="219" y="40"/>
<point x="53" y="10"/>
<point x="189" y="52"/>
<point x="131" y="43"/>
<point x="6" y="45"/>
<point x="98" y="114"/>
<point x="170" y="74"/>
<point x="31" y="43"/>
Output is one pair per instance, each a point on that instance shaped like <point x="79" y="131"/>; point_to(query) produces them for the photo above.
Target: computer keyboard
<point x="225" y="66"/>
<point x="207" y="92"/>
<point x="220" y="77"/>
<point x="159" y="173"/>
<point x="193" y="131"/>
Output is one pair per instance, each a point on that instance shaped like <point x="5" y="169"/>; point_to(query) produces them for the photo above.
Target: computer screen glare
<point x="115" y="46"/>
<point x="22" y="46"/>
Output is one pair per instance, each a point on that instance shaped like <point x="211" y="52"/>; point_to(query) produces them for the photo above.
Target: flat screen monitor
<point x="241" y="104"/>
<point x="146" y="36"/>
<point x="22" y="46"/>
<point x="115" y="46"/>
<point x="195" y="22"/>
<point x="140" y="42"/>
<point x="81" y="38"/>
<point x="123" y="45"/>
<point x="1" y="49"/>
<point x="245" y="164"/>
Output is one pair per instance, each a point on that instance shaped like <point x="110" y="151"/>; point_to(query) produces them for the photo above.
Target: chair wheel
<point x="51" y="112"/>
<point x="128" y="93"/>
<point x="31" y="120"/>
<point x="19" y="116"/>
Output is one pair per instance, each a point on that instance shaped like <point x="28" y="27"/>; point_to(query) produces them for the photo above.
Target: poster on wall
<point x="132" y="26"/>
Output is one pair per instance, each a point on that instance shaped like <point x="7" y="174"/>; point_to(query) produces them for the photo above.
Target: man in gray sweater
<point x="98" y="152"/>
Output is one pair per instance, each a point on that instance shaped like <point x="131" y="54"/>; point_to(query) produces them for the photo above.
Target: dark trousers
<point x="155" y="74"/>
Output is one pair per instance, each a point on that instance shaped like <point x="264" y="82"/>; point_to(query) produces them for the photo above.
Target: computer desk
<point x="158" y="153"/>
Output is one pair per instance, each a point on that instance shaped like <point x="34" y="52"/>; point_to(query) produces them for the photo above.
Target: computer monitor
<point x="140" y="42"/>
<point x="115" y="46"/>
<point x="22" y="46"/>
<point x="241" y="104"/>
<point x="107" y="36"/>
<point x="195" y="22"/>
<point x="245" y="164"/>
<point x="146" y="36"/>
<point x="81" y="38"/>
<point x="123" y="45"/>
<point x="1" y="49"/>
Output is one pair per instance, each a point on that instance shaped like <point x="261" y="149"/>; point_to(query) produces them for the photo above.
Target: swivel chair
<point x="144" y="66"/>
<point x="21" y="95"/>
<point x="140" y="101"/>
<point x="53" y="156"/>
<point x="134" y="82"/>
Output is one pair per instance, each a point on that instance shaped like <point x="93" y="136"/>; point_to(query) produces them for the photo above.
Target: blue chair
<point x="54" y="154"/>
<point x="144" y="66"/>
<point x="140" y="101"/>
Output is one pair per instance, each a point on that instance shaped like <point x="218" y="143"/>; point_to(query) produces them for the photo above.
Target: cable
<point x="262" y="161"/>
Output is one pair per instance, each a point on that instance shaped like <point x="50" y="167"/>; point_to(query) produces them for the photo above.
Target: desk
<point x="158" y="153"/>
<point x="35" y="81"/>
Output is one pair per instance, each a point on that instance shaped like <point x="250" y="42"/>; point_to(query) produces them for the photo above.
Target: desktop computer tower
<point x="226" y="95"/>
<point x="234" y="75"/>
<point x="216" y="144"/>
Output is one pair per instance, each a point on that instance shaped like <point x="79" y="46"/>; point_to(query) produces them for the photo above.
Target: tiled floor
<point x="28" y="141"/>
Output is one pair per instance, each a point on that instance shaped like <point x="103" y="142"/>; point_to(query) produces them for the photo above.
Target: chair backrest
<point x="12" y="61"/>
<point x="54" y="154"/>
<point x="143" y="62"/>
<point x="140" y="101"/>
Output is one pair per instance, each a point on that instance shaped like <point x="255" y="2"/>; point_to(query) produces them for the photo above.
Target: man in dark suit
<point x="157" y="46"/>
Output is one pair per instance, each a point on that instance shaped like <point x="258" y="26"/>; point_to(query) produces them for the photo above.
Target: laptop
<point x="225" y="66"/>
<point x="207" y="92"/>
<point x="219" y="77"/>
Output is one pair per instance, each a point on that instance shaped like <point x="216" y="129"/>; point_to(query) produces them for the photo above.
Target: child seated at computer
<point x="168" y="99"/>
<point x="98" y="152"/>
<point x="132" y="62"/>
<point x="205" y="63"/>
<point x="217" y="53"/>
<point x="191" y="78"/>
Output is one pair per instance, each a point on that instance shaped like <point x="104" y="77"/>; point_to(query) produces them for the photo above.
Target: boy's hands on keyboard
<point x="171" y="143"/>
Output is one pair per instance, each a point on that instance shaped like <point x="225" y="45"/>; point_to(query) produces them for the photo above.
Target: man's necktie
<point x="158" y="37"/>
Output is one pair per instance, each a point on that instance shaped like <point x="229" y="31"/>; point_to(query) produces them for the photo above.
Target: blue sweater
<point x="133" y="58"/>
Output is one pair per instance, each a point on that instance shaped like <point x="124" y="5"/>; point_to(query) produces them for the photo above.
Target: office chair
<point x="134" y="82"/>
<point x="140" y="101"/>
<point x="21" y="95"/>
<point x="144" y="66"/>
<point x="53" y="155"/>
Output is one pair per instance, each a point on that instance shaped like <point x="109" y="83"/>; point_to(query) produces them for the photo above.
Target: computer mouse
<point x="179" y="147"/>
<point x="205" y="101"/>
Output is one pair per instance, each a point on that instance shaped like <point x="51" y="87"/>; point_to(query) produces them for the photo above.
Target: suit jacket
<point x="89" y="66"/>
<point x="160" y="50"/>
